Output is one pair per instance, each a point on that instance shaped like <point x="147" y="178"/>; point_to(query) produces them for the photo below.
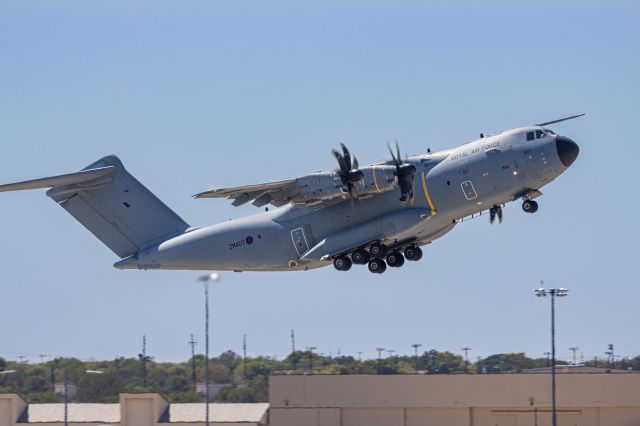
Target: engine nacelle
<point x="327" y="186"/>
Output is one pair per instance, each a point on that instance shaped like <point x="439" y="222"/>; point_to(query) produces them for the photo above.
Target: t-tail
<point x="112" y="204"/>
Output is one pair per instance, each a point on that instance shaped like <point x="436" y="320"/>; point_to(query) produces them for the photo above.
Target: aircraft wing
<point x="277" y="192"/>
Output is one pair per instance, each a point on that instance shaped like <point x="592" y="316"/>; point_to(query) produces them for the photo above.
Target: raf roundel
<point x="249" y="239"/>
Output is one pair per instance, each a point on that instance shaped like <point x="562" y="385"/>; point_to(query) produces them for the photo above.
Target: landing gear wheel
<point x="342" y="263"/>
<point x="395" y="259"/>
<point x="413" y="253"/>
<point x="360" y="257"/>
<point x="377" y="250"/>
<point x="530" y="206"/>
<point x="377" y="266"/>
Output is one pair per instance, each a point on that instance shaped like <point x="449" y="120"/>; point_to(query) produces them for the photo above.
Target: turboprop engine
<point x="326" y="186"/>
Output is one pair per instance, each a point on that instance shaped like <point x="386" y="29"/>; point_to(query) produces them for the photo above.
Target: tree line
<point x="244" y="380"/>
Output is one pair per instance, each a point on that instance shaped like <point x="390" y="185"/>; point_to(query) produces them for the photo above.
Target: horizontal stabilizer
<point x="60" y="180"/>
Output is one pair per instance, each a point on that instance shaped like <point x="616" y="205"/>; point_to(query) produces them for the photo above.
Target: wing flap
<point x="274" y="192"/>
<point x="235" y="192"/>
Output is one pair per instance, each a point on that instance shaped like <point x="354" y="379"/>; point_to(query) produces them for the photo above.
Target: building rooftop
<point x="219" y="413"/>
<point x="78" y="413"/>
<point x="577" y="369"/>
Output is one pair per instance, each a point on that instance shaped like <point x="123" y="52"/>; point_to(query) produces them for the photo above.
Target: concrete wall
<point x="11" y="407"/>
<point x="454" y="400"/>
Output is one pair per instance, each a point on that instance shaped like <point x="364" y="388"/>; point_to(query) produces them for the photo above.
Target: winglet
<point x="546" y="123"/>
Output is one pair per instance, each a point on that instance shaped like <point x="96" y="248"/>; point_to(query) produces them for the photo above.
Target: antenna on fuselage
<point x="546" y="123"/>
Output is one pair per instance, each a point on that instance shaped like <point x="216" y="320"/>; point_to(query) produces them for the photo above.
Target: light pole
<point x="206" y="279"/>
<point x="379" y="359"/>
<point x="66" y="392"/>
<point x="559" y="292"/>
<point x="573" y="350"/>
<point x="415" y="347"/>
<point x="310" y="350"/>
<point x="466" y="350"/>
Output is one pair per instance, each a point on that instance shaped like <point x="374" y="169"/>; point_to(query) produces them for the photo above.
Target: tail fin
<point x="112" y="204"/>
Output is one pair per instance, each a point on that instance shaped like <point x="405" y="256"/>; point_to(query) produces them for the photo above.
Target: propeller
<point x="405" y="173"/>
<point x="349" y="173"/>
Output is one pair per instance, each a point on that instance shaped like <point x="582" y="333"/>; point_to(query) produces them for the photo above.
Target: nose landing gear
<point x="495" y="211"/>
<point x="529" y="206"/>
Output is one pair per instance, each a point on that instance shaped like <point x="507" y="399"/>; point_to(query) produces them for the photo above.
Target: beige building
<point x="133" y="410"/>
<point x="454" y="400"/>
<point x="585" y="398"/>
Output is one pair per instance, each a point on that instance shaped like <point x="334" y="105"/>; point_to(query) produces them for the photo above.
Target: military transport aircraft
<point x="376" y="215"/>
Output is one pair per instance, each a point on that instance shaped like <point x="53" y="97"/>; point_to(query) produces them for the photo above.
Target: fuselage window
<point x="530" y="136"/>
<point x="540" y="134"/>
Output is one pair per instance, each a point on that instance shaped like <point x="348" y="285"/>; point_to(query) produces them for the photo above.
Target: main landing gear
<point x="529" y="206"/>
<point x="377" y="257"/>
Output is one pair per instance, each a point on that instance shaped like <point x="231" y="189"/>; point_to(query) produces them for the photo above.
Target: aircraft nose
<point x="567" y="150"/>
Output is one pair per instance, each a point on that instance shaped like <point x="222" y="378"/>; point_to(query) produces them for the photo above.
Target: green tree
<point x="99" y="387"/>
<point x="3" y="364"/>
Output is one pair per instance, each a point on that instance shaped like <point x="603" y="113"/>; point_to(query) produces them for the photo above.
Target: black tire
<point x="377" y="266"/>
<point x="418" y="254"/>
<point x="410" y="252"/>
<point x="395" y="259"/>
<point x="535" y="206"/>
<point x="377" y="250"/>
<point x="528" y="206"/>
<point x="342" y="263"/>
<point x="360" y="257"/>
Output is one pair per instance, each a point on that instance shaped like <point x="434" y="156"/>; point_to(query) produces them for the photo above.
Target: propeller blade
<point x="347" y="156"/>
<point x="355" y="163"/>
<point x="341" y="162"/>
<point x="393" y="156"/>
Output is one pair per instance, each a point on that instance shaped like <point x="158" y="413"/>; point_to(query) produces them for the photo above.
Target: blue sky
<point x="193" y="95"/>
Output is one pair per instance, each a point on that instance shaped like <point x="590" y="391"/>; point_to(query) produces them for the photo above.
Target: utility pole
<point x="466" y="359"/>
<point x="559" y="292"/>
<point x="193" y="342"/>
<point x="573" y="350"/>
<point x="415" y="355"/>
<point x="294" y="357"/>
<point x="379" y="359"/>
<point x="359" y="355"/>
<point x="244" y="355"/>
<point x="54" y="364"/>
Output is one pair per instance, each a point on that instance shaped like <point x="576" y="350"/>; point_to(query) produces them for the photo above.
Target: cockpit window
<point x="549" y="132"/>
<point x="530" y="136"/>
<point x="540" y="134"/>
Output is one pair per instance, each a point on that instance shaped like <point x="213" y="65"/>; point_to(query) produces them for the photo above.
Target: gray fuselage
<point x="449" y="185"/>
